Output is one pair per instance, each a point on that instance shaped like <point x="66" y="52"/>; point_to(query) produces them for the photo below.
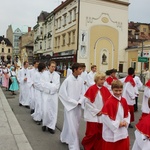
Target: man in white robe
<point x="90" y="76"/>
<point x="38" y="91"/>
<point x="71" y="94"/>
<point x="25" y="85"/>
<point x="69" y="71"/>
<point x="32" y="89"/>
<point x="51" y="81"/>
<point x="129" y="93"/>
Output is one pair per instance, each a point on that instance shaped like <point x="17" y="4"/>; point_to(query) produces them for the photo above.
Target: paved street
<point x="40" y="140"/>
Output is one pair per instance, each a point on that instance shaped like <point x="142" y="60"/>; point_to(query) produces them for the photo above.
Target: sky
<point x="25" y="12"/>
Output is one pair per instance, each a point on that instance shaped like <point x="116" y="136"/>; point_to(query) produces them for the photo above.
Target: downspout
<point x="78" y="36"/>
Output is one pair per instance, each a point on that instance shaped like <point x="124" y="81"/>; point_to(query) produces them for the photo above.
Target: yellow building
<point x="138" y="46"/>
<point x="87" y="31"/>
<point x="26" y="47"/>
<point x="5" y="50"/>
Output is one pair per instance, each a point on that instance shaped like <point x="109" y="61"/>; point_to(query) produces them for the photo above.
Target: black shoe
<point x="38" y="122"/>
<point x="27" y="107"/>
<point x="32" y="111"/>
<point x="130" y="126"/>
<point x="43" y="128"/>
<point x="51" y="131"/>
<point x="20" y="104"/>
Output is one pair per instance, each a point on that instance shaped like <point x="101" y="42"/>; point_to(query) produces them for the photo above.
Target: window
<point x="2" y="50"/>
<point x="41" y="30"/>
<point x="65" y="19"/>
<point x="45" y="45"/>
<point x="55" y="41"/>
<point x="8" y="50"/>
<point x="74" y="14"/>
<point x="40" y="45"/>
<point x="73" y="37"/>
<point x="59" y="23"/>
<point x="64" y="39"/>
<point x="49" y="42"/>
<point x="58" y="41"/>
<point x="144" y="29"/>
<point x="133" y="65"/>
<point x="70" y="17"/>
<point x="69" y="38"/>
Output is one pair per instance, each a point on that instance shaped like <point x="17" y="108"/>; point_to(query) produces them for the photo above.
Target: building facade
<point x="13" y="33"/>
<point x="43" y="32"/>
<point x="26" y="47"/>
<point x="88" y="31"/>
<point x="138" y="46"/>
<point x="5" y="50"/>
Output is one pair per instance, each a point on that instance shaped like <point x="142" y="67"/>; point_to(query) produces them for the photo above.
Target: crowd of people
<point x="108" y="103"/>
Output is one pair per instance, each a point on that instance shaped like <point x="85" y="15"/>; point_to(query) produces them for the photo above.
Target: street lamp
<point x="141" y="58"/>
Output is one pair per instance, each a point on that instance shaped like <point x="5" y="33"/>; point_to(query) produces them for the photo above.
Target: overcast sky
<point x="25" y="12"/>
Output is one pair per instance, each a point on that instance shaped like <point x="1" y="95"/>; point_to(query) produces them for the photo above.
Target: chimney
<point x="3" y="36"/>
<point x="29" y="29"/>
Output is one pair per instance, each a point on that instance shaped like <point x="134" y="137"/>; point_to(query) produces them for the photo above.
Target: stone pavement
<point x="12" y="136"/>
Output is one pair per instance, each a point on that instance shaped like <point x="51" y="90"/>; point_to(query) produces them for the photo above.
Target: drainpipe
<point x="78" y="36"/>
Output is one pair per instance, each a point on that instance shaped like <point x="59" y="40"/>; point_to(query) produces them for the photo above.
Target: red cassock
<point x="109" y="80"/>
<point x="111" y="108"/>
<point x="143" y="126"/>
<point x="129" y="78"/>
<point x="93" y="136"/>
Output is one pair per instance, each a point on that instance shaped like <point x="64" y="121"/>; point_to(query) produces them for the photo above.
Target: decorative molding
<point x="105" y="18"/>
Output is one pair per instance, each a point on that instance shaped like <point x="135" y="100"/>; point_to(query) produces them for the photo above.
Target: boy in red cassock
<point x="96" y="96"/>
<point x="115" y="119"/>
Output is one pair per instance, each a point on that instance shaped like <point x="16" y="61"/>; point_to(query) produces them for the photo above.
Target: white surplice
<point x="71" y="93"/>
<point x="138" y="85"/>
<point x="141" y="142"/>
<point x="38" y="89"/>
<point x="92" y="109"/>
<point x="146" y="95"/>
<point x="24" y="97"/>
<point x="69" y="71"/>
<point x="32" y="89"/>
<point x="129" y="93"/>
<point x="51" y="82"/>
<point x="90" y="78"/>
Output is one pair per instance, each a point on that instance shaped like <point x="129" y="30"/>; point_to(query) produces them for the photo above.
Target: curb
<point x="17" y="140"/>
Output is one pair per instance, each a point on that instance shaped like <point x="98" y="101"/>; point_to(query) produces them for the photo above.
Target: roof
<point x="7" y="42"/>
<point x="22" y="28"/>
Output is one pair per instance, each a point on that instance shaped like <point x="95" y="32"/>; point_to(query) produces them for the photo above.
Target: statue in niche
<point x="104" y="59"/>
<point x="83" y="36"/>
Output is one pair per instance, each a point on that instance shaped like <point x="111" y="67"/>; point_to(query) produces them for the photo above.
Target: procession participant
<point x="38" y="91"/>
<point x="142" y="133"/>
<point x="25" y="85"/>
<point x="71" y="94"/>
<point x="129" y="93"/>
<point x="146" y="95"/>
<point x="51" y="81"/>
<point x="8" y="68"/>
<point x="110" y="79"/>
<point x="90" y="76"/>
<point x="1" y="73"/>
<point x="32" y="76"/>
<point x="5" y="77"/>
<point x="115" y="118"/>
<point x="138" y="85"/>
<point x="14" y="82"/>
<point x="84" y="75"/>
<point x="96" y="96"/>
<point x="69" y="71"/>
